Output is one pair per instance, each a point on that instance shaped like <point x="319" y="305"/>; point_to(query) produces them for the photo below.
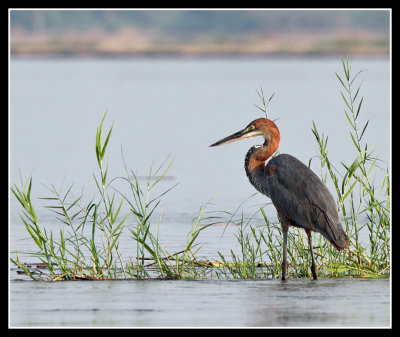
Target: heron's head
<point x="259" y="127"/>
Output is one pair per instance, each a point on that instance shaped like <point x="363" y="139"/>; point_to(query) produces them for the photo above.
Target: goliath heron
<point x="299" y="196"/>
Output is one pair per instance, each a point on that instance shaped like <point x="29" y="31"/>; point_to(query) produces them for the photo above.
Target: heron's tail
<point x="337" y="236"/>
<point x="342" y="243"/>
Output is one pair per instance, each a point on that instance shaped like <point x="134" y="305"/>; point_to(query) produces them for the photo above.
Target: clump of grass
<point x="87" y="247"/>
<point x="363" y="205"/>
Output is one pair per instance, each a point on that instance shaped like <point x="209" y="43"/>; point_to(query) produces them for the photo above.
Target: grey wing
<point x="297" y="192"/>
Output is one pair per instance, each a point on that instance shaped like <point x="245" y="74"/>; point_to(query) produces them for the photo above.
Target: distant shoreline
<point x="197" y="56"/>
<point x="275" y="46"/>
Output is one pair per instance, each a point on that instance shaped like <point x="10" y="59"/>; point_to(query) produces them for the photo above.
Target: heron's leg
<point x="313" y="265"/>
<point x="284" y="253"/>
<point x="285" y="228"/>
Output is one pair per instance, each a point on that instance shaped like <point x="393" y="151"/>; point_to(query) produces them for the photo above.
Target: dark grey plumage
<point x="299" y="193"/>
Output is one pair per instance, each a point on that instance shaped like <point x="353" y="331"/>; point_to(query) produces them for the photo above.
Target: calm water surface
<point x="180" y="107"/>
<point x="204" y="303"/>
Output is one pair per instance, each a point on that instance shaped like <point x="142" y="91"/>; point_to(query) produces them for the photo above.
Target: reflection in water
<point x="326" y="302"/>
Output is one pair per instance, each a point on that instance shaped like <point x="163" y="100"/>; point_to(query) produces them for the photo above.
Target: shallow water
<point x="203" y="303"/>
<point x="162" y="106"/>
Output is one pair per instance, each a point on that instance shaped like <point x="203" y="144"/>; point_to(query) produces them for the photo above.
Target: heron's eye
<point x="250" y="128"/>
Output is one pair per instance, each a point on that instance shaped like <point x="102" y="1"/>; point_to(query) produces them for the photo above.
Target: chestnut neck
<point x="255" y="162"/>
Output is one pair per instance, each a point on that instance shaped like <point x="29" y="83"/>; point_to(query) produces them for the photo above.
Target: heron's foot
<point x="284" y="271"/>
<point x="314" y="271"/>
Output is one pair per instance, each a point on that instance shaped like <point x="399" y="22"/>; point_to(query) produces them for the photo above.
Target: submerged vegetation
<point x="88" y="247"/>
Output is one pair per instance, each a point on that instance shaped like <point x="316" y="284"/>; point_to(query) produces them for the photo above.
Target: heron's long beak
<point x="242" y="134"/>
